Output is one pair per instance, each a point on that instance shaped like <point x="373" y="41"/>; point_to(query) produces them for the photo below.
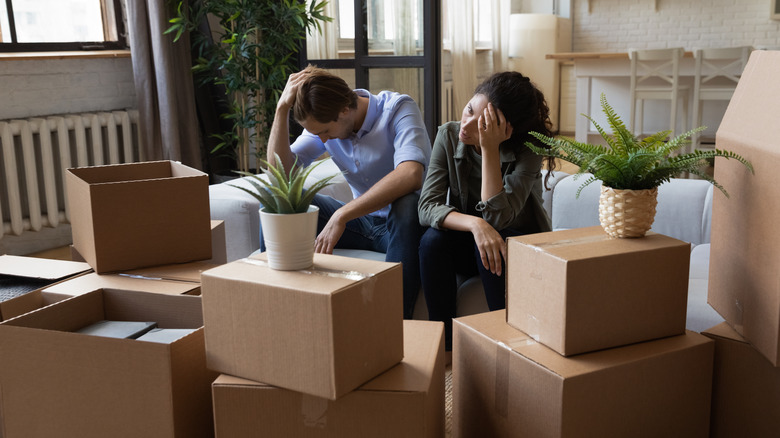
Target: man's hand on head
<point x="287" y="99"/>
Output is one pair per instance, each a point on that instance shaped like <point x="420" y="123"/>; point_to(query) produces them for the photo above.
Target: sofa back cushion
<point x="684" y="208"/>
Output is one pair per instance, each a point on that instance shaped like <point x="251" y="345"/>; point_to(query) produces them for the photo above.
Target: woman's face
<point x="469" y="129"/>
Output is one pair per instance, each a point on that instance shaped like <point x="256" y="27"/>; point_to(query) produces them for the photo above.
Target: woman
<point x="482" y="186"/>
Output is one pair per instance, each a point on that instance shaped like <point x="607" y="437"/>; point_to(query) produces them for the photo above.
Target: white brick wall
<point x="44" y="87"/>
<point x="616" y="25"/>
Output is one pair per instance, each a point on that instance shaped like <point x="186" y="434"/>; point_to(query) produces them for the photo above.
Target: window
<point x="52" y="25"/>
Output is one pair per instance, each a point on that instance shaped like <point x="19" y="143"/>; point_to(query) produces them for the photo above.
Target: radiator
<point x="35" y="153"/>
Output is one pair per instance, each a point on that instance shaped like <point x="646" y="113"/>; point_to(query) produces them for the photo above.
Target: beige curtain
<point x="163" y="81"/>
<point x="404" y="44"/>
<point x="324" y="45"/>
<point x="500" y="26"/>
<point x="464" y="54"/>
<point x="464" y="71"/>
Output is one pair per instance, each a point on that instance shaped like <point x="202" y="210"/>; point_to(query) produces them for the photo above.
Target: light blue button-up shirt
<point x="392" y="132"/>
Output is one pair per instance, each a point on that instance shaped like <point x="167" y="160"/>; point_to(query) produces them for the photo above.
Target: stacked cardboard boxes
<point x="328" y="344"/>
<point x="592" y="343"/>
<point x="743" y="285"/>
<point x="141" y="227"/>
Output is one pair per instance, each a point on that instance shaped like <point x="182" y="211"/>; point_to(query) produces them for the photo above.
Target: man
<point x="380" y="143"/>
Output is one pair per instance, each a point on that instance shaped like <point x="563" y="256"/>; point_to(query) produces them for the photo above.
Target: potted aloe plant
<point x="631" y="169"/>
<point x="288" y="219"/>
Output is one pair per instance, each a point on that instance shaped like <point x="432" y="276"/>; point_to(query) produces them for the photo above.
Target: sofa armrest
<point x="240" y="211"/>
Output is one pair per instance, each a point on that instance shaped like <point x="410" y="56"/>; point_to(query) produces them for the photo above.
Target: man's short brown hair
<point x="322" y="96"/>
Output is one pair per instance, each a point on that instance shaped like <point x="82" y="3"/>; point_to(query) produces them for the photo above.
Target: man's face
<point x="341" y="128"/>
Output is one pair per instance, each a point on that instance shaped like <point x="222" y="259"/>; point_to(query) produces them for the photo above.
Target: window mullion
<point x="9" y="6"/>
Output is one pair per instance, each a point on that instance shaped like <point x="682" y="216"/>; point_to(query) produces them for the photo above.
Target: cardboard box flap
<point x="176" y="272"/>
<point x="724" y="331"/>
<point x="511" y="339"/>
<point x="92" y="281"/>
<point x="751" y="116"/>
<point x="583" y="243"/>
<point x="328" y="271"/>
<point x="29" y="302"/>
<point x="149" y="170"/>
<point x="168" y="311"/>
<point x="47" y="269"/>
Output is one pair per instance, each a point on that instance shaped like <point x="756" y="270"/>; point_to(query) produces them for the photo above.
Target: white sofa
<point x="684" y="212"/>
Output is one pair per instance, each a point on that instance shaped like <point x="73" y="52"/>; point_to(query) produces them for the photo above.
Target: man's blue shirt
<point x="392" y="132"/>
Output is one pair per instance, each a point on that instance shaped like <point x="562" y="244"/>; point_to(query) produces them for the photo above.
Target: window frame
<point x="113" y="28"/>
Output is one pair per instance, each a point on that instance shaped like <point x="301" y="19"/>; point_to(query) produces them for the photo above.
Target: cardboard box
<point x="128" y="216"/>
<point x="406" y="401"/>
<point x="745" y="388"/>
<point x="29" y="302"/>
<point x="182" y="278"/>
<point x="21" y="275"/>
<point x="59" y="383"/>
<point x="505" y="384"/>
<point x="323" y="331"/>
<point x="580" y="290"/>
<point x="743" y="284"/>
<point x="218" y="245"/>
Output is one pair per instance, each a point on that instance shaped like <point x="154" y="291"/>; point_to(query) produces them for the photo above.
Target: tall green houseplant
<point x="251" y="54"/>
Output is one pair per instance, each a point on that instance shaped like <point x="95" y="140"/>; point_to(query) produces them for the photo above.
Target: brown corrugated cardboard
<point x="743" y="284"/>
<point x="505" y="384"/>
<point x="19" y="276"/>
<point x="406" y="401"/>
<point x="218" y="245"/>
<point x="580" y="290"/>
<point x="128" y="216"/>
<point x="322" y="331"/>
<point x="745" y="388"/>
<point x="180" y="278"/>
<point x="59" y="383"/>
<point x="29" y="302"/>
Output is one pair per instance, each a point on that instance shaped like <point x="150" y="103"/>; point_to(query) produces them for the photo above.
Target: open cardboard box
<point x="506" y="384"/>
<point x="20" y="276"/>
<point x="580" y="290"/>
<point x="323" y="331"/>
<point x="743" y="284"/>
<point x="133" y="215"/>
<point x="180" y="278"/>
<point x="59" y="383"/>
<point x="405" y="401"/>
<point x="745" y="388"/>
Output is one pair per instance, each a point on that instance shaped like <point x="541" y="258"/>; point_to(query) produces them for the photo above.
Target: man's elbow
<point x="413" y="174"/>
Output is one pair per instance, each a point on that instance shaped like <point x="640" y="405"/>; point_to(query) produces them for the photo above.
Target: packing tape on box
<point x="577" y="241"/>
<point x="314" y="411"/>
<point x="336" y="273"/>
<point x="501" y="402"/>
<point x="503" y="355"/>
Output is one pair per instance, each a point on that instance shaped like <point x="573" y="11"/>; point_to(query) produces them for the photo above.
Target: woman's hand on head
<point x="493" y="128"/>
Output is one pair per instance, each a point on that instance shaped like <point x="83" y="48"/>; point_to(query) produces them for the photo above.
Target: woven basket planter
<point x="627" y="213"/>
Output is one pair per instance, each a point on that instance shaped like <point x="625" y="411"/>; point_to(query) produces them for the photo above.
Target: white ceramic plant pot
<point x="289" y="238"/>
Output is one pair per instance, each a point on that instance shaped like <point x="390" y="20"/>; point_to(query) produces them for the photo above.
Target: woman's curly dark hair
<point x="523" y="106"/>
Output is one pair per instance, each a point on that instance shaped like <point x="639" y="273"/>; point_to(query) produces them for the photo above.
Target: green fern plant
<point x="628" y="162"/>
<point x="284" y="191"/>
